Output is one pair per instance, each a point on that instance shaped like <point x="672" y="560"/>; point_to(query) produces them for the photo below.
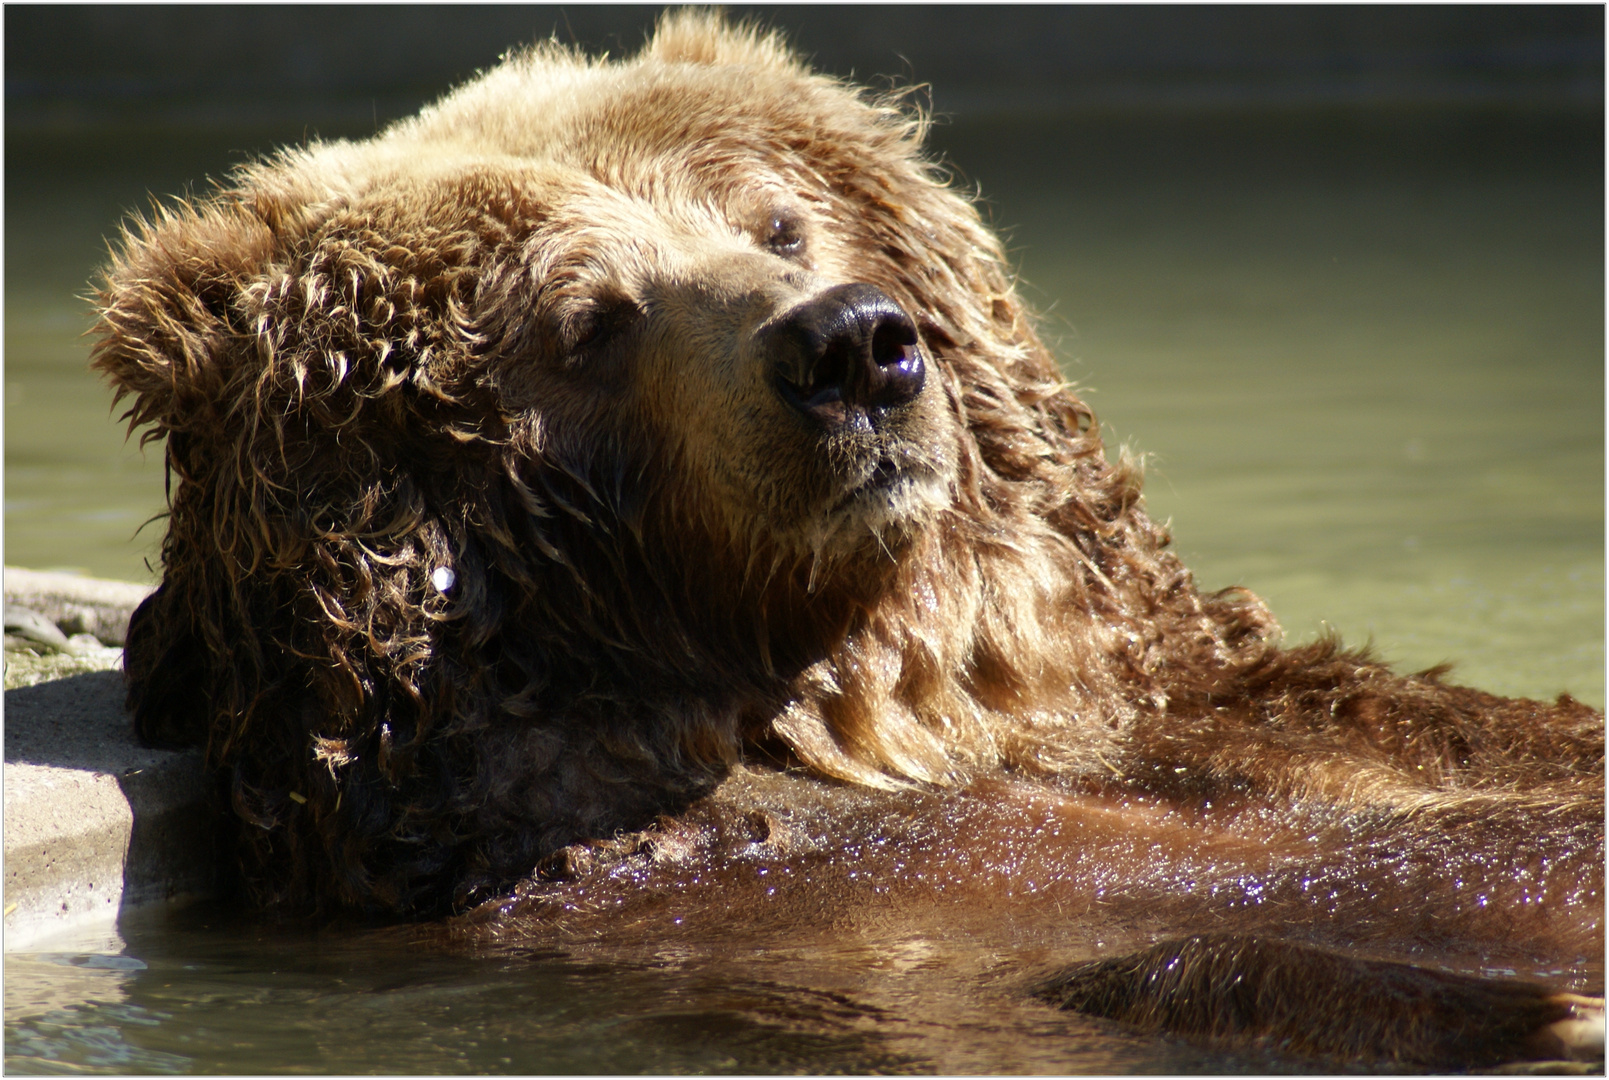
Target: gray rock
<point x="76" y="605"/>
<point x="33" y="627"/>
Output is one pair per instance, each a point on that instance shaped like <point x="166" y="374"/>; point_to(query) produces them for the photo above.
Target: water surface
<point x="206" y="991"/>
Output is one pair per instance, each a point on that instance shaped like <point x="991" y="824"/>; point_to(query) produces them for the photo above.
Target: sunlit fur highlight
<point x="353" y="353"/>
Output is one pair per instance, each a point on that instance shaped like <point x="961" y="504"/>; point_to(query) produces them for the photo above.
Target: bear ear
<point x="169" y="310"/>
<point x="706" y="36"/>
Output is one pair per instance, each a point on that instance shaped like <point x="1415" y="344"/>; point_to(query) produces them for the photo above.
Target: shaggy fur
<point x="493" y="529"/>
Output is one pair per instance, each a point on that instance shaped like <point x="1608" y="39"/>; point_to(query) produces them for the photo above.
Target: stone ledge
<point x="95" y="824"/>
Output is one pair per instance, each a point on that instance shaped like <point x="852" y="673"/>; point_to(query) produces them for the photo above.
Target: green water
<point x="1364" y="351"/>
<point x="1368" y="358"/>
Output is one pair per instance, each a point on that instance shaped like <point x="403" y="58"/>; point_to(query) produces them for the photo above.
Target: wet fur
<point x="515" y="337"/>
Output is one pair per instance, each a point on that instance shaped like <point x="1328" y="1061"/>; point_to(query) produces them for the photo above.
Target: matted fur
<point x="513" y="338"/>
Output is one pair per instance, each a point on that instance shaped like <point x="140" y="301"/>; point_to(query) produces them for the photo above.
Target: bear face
<point x="623" y="267"/>
<point x="696" y="349"/>
<point x="734" y="356"/>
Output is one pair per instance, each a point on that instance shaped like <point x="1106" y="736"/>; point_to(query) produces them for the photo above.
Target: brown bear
<point x="651" y="463"/>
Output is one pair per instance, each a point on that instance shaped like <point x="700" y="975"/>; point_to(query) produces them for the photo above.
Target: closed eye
<point x="592" y="326"/>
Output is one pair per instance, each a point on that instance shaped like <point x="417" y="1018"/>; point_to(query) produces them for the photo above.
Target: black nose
<point x="845" y="353"/>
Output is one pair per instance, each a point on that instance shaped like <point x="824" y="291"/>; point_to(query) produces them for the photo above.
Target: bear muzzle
<point x="845" y="356"/>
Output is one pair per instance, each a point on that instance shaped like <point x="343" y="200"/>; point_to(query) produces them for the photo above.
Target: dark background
<point x="343" y="65"/>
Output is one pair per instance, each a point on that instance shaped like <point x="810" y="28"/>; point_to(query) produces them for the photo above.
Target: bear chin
<point x="892" y="505"/>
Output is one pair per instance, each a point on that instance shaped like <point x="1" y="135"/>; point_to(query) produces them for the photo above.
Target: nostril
<point x="893" y="342"/>
<point x="900" y="380"/>
<point x="897" y="371"/>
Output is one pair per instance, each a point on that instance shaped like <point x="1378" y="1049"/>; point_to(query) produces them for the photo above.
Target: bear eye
<point x="785" y="235"/>
<point x="597" y="322"/>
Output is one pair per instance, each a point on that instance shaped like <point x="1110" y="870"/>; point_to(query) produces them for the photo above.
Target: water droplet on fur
<point x="443" y="578"/>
